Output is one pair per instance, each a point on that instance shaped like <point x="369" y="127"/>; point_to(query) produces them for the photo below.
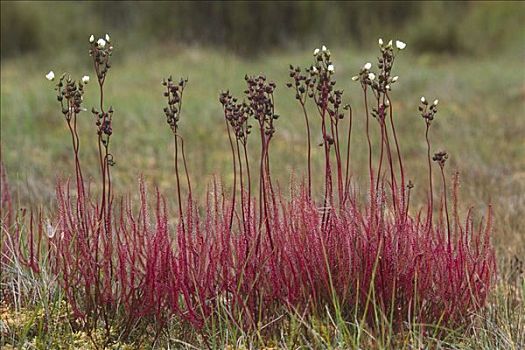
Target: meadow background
<point x="470" y="55"/>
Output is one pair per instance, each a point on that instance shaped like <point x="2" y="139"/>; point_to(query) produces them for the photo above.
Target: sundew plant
<point x="249" y="255"/>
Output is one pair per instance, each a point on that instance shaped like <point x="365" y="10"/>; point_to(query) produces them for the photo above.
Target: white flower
<point x="387" y="86"/>
<point x="371" y="76"/>
<point x="380" y="41"/>
<point x="355" y="78"/>
<point x="316" y="51"/>
<point x="400" y="45"/>
<point x="367" y="66"/>
<point x="330" y="68"/>
<point x="314" y="70"/>
<point x="50" y="76"/>
<point x="101" y="42"/>
<point x="436" y="101"/>
<point x="394" y="79"/>
<point x="389" y="43"/>
<point x="323" y="48"/>
<point x="91" y="38"/>
<point x="107" y="37"/>
<point x="423" y="99"/>
<point x="85" y="79"/>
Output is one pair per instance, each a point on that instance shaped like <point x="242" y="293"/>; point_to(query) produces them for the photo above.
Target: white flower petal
<point x="380" y="41"/>
<point x="423" y="99"/>
<point x="394" y="79"/>
<point x="85" y="79"/>
<point x="331" y="68"/>
<point x="323" y="48"/>
<point x="400" y="45"/>
<point x="367" y="66"/>
<point x="101" y="43"/>
<point x="91" y="38"/>
<point x="107" y="37"/>
<point x="371" y="76"/>
<point x="316" y="51"/>
<point x="436" y="101"/>
<point x="50" y="76"/>
<point x="355" y="78"/>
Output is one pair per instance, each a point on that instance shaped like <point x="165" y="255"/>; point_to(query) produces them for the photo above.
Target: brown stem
<point x="309" y="149"/>
<point x="242" y="187"/>
<point x="234" y="174"/>
<point x="347" y="174"/>
<point x="249" y="178"/>
<point x="401" y="168"/>
<point x="188" y="182"/>
<point x="446" y="206"/>
<point x="178" y="180"/>
<point x="368" y="140"/>
<point x="431" y="209"/>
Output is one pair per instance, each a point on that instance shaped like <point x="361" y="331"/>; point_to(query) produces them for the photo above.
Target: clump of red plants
<point x="255" y="252"/>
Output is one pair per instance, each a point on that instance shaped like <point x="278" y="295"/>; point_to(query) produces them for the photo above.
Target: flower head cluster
<point x="70" y="94"/>
<point x="261" y="103"/>
<point x="302" y="83"/>
<point x="381" y="81"/>
<point x="173" y="94"/>
<point x="318" y="83"/>
<point x="101" y="51"/>
<point x="428" y="111"/>
<point x="440" y="157"/>
<point x="103" y="123"/>
<point x="236" y="114"/>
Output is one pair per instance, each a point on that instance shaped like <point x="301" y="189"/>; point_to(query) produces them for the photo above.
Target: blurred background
<point x="251" y="27"/>
<point x="468" y="54"/>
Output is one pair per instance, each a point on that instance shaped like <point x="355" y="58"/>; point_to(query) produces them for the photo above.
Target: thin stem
<point x="249" y="178"/>
<point x="446" y="206"/>
<point x="368" y="139"/>
<point x="431" y="208"/>
<point x="309" y="148"/>
<point x="185" y="166"/>
<point x="234" y="174"/>
<point x="401" y="168"/>
<point x="178" y="179"/>
<point x="347" y="174"/>
<point x="241" y="184"/>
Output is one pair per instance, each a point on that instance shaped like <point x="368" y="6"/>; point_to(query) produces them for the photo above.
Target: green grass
<point x="480" y="124"/>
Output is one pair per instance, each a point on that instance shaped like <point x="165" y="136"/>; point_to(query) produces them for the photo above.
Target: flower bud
<point x="423" y="99"/>
<point x="380" y="41"/>
<point x="107" y="37"/>
<point x="331" y="68"/>
<point x="85" y="79"/>
<point x="367" y="66"/>
<point x="394" y="79"/>
<point x="355" y="78"/>
<point x="316" y="51"/>
<point x="436" y="101"/>
<point x="91" y="38"/>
